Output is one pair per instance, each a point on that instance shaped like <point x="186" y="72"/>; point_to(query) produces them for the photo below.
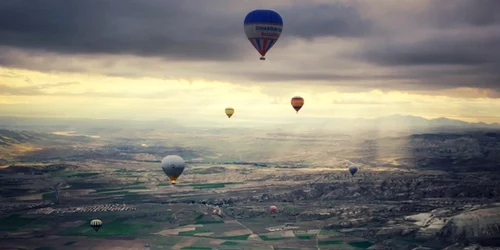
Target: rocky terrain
<point x="392" y="210"/>
<point x="422" y="191"/>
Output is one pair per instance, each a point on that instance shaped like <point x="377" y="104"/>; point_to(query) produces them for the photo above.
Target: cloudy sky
<point x="149" y="59"/>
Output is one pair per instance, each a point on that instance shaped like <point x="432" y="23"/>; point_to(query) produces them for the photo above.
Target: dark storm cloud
<point x="459" y="37"/>
<point x="455" y="13"/>
<point x="182" y="30"/>
<point x="320" y="76"/>
<point x="166" y="28"/>
<point x="461" y="48"/>
<point x="314" y="20"/>
<point x="447" y="44"/>
<point x="407" y="79"/>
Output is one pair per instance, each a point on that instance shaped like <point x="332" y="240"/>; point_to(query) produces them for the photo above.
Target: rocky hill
<point x="15" y="144"/>
<point x="466" y="151"/>
<point x="36" y="168"/>
<point x="9" y="137"/>
<point x="393" y="209"/>
<point x="481" y="226"/>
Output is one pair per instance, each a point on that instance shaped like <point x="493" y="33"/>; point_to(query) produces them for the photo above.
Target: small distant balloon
<point x="229" y="112"/>
<point x="353" y="169"/>
<point x="273" y="209"/>
<point x="173" y="166"/>
<point x="297" y="103"/>
<point x="263" y="29"/>
<point x="96" y="224"/>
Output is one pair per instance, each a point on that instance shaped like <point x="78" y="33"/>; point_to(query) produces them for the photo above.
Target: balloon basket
<point x="262" y="58"/>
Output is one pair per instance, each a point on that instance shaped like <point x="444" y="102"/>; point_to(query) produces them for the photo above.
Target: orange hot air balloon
<point x="297" y="103"/>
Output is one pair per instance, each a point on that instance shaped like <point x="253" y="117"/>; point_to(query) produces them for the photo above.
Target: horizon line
<point x="167" y="119"/>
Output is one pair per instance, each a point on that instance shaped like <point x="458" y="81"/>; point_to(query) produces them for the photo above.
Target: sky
<point x="190" y="59"/>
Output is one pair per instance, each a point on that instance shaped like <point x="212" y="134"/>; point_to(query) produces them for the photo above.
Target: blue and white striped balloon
<point x="263" y="28"/>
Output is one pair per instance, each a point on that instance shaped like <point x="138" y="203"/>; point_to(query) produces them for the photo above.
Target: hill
<point x="389" y="124"/>
<point x="15" y="143"/>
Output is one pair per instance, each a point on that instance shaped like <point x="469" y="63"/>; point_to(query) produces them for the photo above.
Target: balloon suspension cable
<point x="262" y="58"/>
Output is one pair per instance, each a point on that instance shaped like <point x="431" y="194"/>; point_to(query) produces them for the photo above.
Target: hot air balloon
<point x="96" y="224"/>
<point x="263" y="29"/>
<point x="273" y="209"/>
<point x="353" y="169"/>
<point x="173" y="166"/>
<point x="229" y="112"/>
<point x="297" y="103"/>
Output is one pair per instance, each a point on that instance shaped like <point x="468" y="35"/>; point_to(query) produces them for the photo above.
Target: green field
<point x="236" y="237"/>
<point x="116" y="227"/>
<point x="305" y="236"/>
<point x="162" y="242"/>
<point x="361" y="244"/>
<point x="48" y="196"/>
<point x="329" y="232"/>
<point x="329" y="242"/>
<point x="267" y="238"/>
<point x="14" y="222"/>
<point x="131" y="187"/>
<point x="229" y="243"/>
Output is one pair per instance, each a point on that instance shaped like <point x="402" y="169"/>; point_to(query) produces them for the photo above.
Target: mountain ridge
<point x="394" y="121"/>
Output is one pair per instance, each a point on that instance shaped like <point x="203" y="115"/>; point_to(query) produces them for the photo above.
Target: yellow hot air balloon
<point x="229" y="112"/>
<point x="96" y="224"/>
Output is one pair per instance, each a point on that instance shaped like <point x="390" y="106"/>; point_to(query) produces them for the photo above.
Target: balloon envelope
<point x="173" y="166"/>
<point x="229" y="112"/>
<point x="96" y="224"/>
<point x="273" y="209"/>
<point x="297" y="103"/>
<point x="353" y="169"/>
<point x="263" y="28"/>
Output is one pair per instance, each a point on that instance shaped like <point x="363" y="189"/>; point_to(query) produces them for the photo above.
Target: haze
<point x="188" y="61"/>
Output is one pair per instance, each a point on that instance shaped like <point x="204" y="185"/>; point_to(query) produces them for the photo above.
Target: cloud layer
<point x="426" y="46"/>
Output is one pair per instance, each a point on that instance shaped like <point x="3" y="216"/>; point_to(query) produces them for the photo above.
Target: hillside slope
<point x="16" y="143"/>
